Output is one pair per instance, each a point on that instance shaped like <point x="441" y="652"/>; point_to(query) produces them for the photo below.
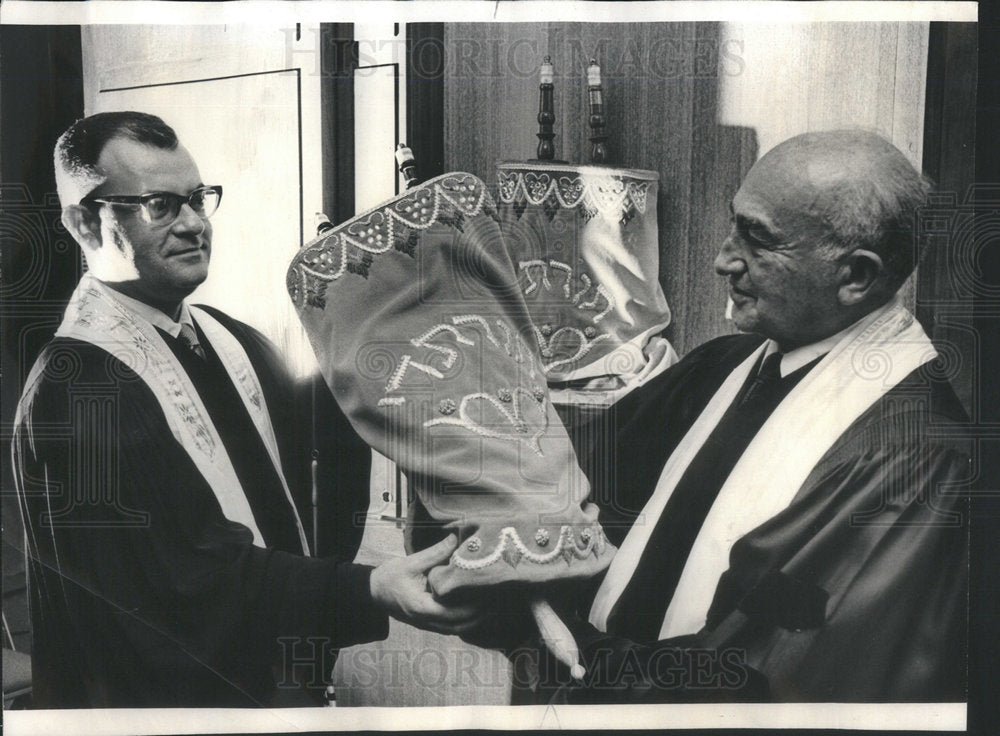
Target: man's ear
<point x="860" y="275"/>
<point x="84" y="225"/>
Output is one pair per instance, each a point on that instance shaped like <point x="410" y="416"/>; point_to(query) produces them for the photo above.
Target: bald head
<point x="823" y="233"/>
<point x="857" y="191"/>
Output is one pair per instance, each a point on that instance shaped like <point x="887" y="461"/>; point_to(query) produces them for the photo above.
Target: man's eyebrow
<point x="763" y="230"/>
<point x="746" y="221"/>
<point x="198" y="186"/>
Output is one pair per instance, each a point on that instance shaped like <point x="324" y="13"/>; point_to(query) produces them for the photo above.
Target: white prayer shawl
<point x="872" y="357"/>
<point x="94" y="315"/>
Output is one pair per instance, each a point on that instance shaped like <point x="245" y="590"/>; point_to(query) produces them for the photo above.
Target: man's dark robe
<point x="142" y="593"/>
<point x="855" y="592"/>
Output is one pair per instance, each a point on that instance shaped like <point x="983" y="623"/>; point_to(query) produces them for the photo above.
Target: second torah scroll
<point x="584" y="240"/>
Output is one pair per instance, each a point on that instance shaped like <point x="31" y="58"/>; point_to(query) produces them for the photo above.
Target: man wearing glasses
<point x="167" y="561"/>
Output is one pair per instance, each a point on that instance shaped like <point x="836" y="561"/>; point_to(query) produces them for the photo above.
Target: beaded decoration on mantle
<point x="450" y="199"/>
<point x="616" y="197"/>
<point x="512" y="550"/>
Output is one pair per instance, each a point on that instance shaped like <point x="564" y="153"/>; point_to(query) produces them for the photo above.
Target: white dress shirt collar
<point x="153" y="315"/>
<point x="795" y="359"/>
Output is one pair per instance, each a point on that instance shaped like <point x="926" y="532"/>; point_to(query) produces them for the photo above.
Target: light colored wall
<point x="803" y="77"/>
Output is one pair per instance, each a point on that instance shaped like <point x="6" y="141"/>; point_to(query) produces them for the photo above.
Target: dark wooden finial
<point x="546" y="113"/>
<point x="598" y="153"/>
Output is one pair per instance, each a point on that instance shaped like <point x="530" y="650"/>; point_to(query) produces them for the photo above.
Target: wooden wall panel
<point x="660" y="102"/>
<point x="801" y="77"/>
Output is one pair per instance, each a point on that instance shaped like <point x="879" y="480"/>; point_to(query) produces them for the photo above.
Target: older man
<point x="802" y="533"/>
<point x="167" y="561"/>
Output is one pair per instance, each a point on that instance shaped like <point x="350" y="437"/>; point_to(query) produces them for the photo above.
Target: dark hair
<point x="78" y="149"/>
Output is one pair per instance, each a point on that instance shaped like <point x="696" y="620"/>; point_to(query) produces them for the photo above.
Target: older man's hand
<point x="400" y="587"/>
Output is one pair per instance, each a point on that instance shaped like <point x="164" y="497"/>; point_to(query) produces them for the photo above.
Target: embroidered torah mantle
<point x="584" y="242"/>
<point x="419" y="325"/>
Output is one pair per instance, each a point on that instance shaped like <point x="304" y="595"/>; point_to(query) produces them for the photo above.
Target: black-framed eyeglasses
<point x="162" y="208"/>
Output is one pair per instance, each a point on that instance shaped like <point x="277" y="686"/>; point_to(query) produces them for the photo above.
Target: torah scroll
<point x="419" y="324"/>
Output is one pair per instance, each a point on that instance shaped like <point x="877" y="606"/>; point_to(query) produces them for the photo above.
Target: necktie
<point x="767" y="377"/>
<point x="189" y="338"/>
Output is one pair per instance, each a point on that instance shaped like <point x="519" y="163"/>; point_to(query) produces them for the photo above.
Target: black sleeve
<point x="853" y="595"/>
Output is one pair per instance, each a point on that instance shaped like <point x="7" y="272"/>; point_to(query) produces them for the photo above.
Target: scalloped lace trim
<point x="512" y="550"/>
<point x="607" y="194"/>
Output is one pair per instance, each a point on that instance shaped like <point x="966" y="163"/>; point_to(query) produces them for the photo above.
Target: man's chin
<point x="192" y="276"/>
<point x="190" y="286"/>
<point x="182" y="284"/>
<point x="744" y="319"/>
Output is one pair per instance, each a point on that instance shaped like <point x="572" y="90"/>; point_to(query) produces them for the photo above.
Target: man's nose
<point x="728" y="261"/>
<point x="189" y="221"/>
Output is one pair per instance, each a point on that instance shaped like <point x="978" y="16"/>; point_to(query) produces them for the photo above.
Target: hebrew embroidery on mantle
<point x="566" y="344"/>
<point x="514" y="413"/>
<point x="433" y="360"/>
